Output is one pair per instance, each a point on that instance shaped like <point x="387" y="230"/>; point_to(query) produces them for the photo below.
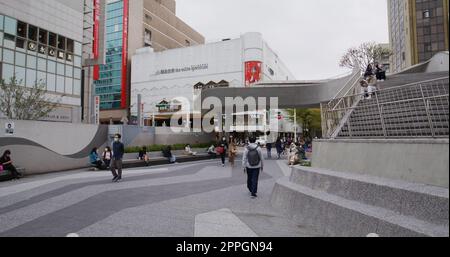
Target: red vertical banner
<point x="96" y="29"/>
<point x="96" y="72"/>
<point x="124" y="55"/>
<point x="96" y="33"/>
<point x="252" y="73"/>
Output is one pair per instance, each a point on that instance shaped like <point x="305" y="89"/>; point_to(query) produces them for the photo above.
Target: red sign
<point x="124" y="55"/>
<point x="252" y="73"/>
<point x="96" y="29"/>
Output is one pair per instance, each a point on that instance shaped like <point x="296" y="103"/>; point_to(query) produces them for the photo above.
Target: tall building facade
<point x="130" y="25"/>
<point x="418" y="29"/>
<point x="41" y="41"/>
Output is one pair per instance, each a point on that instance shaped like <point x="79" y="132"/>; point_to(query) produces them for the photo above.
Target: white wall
<point x="225" y="61"/>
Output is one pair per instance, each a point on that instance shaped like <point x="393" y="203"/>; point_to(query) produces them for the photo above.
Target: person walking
<point x="116" y="162"/>
<point x="253" y="164"/>
<point x="222" y="150"/>
<point x="232" y="152"/>
<point x="279" y="147"/>
<point x="7" y="164"/>
<point x="269" y="150"/>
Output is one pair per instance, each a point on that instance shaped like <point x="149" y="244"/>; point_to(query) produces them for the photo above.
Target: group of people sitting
<point x="373" y="74"/>
<point x="103" y="162"/>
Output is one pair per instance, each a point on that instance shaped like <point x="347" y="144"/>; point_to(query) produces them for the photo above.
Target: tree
<point x="367" y="53"/>
<point x="310" y="119"/>
<point x="24" y="103"/>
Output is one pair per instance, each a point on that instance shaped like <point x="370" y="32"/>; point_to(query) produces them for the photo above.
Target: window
<point x="60" y="69"/>
<point x="7" y="72"/>
<point x="403" y="56"/>
<point x="20" y="43"/>
<point x="20" y="59"/>
<point x="20" y="75"/>
<point x="77" y="73"/>
<point x="60" y="84"/>
<point x="8" y="56"/>
<point x="70" y="45"/>
<point x="426" y="14"/>
<point x="32" y="32"/>
<point x="52" y="39"/>
<point x="9" y="41"/>
<point x="42" y="64"/>
<point x="77" y="87"/>
<point x="51" y="66"/>
<point x="43" y="36"/>
<point x="69" y="86"/>
<point x="428" y="47"/>
<point x="31" y="78"/>
<point x="31" y="62"/>
<point x="69" y="71"/>
<point x="21" y="29"/>
<point x="51" y="82"/>
<point x="10" y="26"/>
<point x="61" y="42"/>
<point x="1" y="39"/>
<point x="42" y="78"/>
<point x="1" y="22"/>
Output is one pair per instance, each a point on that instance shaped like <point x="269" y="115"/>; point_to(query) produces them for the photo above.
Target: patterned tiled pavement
<point x="200" y="199"/>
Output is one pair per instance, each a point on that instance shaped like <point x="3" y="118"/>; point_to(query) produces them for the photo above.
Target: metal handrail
<point x="334" y="120"/>
<point x="395" y="102"/>
<point x="352" y="82"/>
<point x="403" y="86"/>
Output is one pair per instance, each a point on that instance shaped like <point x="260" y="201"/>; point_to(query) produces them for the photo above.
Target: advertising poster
<point x="252" y="73"/>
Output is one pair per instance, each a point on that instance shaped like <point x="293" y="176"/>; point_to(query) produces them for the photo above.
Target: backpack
<point x="253" y="157"/>
<point x="220" y="150"/>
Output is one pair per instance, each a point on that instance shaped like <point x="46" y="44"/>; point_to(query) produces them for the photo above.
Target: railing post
<point x="380" y="111"/>
<point x="427" y="110"/>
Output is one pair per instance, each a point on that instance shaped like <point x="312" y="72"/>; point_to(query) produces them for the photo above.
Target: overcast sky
<point x="309" y="36"/>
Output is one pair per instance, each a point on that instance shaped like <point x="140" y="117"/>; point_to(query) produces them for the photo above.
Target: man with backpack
<point x="253" y="164"/>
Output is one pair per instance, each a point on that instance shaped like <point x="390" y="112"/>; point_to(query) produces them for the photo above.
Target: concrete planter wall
<point x="414" y="160"/>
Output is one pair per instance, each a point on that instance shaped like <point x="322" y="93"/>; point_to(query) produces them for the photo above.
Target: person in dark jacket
<point x="7" y="163"/>
<point x="279" y="147"/>
<point x="369" y="71"/>
<point x="222" y="147"/>
<point x="116" y="162"/>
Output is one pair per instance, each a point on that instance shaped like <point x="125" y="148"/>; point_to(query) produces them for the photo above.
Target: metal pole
<point x="295" y="125"/>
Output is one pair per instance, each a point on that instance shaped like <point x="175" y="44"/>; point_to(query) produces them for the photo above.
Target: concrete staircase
<point x="402" y="112"/>
<point x="347" y="204"/>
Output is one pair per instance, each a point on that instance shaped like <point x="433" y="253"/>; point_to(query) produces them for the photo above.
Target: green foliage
<point x="309" y="119"/>
<point x="25" y="103"/>
<point x="159" y="148"/>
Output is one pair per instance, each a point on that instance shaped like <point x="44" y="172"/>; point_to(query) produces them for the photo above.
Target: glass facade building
<point x="109" y="85"/>
<point x="38" y="55"/>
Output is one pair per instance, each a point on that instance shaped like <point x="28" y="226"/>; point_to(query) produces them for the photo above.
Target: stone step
<point x="332" y="215"/>
<point x="424" y="202"/>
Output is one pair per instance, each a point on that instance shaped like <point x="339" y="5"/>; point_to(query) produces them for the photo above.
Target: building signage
<point x="96" y="30"/>
<point x="252" y="73"/>
<point x="59" y="115"/>
<point x="192" y="68"/>
<point x="9" y="128"/>
<point x="97" y="110"/>
<point x="124" y="96"/>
